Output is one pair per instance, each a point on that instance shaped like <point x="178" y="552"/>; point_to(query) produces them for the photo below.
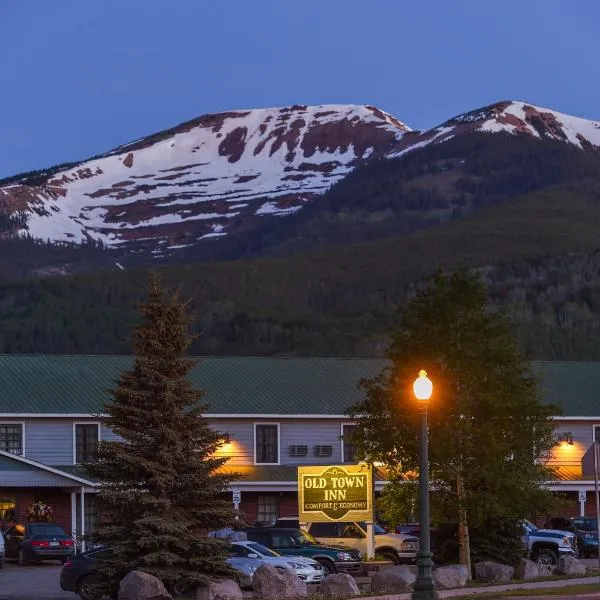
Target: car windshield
<point x="303" y="537"/>
<point x="263" y="550"/>
<point x="377" y="529"/>
<point x="46" y="530"/>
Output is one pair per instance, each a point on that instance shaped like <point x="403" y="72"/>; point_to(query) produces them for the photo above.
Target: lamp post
<point x="424" y="587"/>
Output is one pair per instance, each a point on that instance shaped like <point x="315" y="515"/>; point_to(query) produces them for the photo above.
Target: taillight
<point x="40" y="544"/>
<point x="68" y="564"/>
<point x="67" y="543"/>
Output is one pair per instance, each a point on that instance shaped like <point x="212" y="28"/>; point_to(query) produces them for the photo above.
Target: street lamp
<point x="424" y="587"/>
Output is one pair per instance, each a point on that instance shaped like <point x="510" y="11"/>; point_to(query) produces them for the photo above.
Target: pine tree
<point x="160" y="486"/>
<point x="489" y="432"/>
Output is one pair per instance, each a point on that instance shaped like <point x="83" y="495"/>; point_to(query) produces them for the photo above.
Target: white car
<point x="307" y="569"/>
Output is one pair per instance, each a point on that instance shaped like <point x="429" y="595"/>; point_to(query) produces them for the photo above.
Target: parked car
<point x="546" y="545"/>
<point x="1" y="551"/>
<point x="307" y="569"/>
<point x="79" y="573"/>
<point x="36" y="542"/>
<point x="585" y="530"/>
<point x="397" y="547"/>
<point x="291" y="541"/>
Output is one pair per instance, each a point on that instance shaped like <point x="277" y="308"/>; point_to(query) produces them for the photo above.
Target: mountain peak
<point x="202" y="178"/>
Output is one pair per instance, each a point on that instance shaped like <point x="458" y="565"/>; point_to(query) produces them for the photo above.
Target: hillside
<point x="279" y="181"/>
<point x="539" y="254"/>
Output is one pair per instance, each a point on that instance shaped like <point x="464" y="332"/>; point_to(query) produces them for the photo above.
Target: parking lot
<point x="35" y="582"/>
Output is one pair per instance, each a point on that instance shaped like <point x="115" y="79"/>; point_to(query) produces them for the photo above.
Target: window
<point x="11" y="438"/>
<point x="597" y="433"/>
<point x="86" y="442"/>
<point x="327" y="530"/>
<point x="90" y="513"/>
<point x="266" y="443"/>
<point x="267" y="509"/>
<point x="349" y="449"/>
<point x="8" y="508"/>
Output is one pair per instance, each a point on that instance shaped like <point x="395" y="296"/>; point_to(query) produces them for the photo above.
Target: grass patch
<point x="567" y="590"/>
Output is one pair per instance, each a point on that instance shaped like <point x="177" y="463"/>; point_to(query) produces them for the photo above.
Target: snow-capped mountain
<point x="204" y="177"/>
<point x="509" y="117"/>
<point x="222" y="173"/>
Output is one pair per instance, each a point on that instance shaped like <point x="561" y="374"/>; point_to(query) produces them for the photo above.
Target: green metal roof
<point x="44" y="384"/>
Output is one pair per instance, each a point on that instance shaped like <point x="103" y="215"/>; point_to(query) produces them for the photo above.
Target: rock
<point x="138" y="585"/>
<point x="340" y="585"/>
<point x="270" y="583"/>
<point x="488" y="571"/>
<point x="225" y="589"/>
<point x="396" y="579"/>
<point x="529" y="569"/>
<point x="569" y="565"/>
<point x="451" y="577"/>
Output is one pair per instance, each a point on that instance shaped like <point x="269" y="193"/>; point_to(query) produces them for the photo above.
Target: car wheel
<point x="22" y="558"/>
<point x="328" y="566"/>
<point x="546" y="556"/>
<point x="85" y="587"/>
<point x="390" y="555"/>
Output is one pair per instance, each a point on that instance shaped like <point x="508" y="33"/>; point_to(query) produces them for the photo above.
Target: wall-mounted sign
<point x="335" y="493"/>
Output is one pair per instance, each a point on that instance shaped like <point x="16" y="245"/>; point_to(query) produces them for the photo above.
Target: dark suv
<point x="586" y="531"/>
<point x="290" y="541"/>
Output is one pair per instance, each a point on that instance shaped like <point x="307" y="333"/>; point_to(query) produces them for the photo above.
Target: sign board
<point x="582" y="496"/>
<point x="237" y="497"/>
<point x="335" y="493"/>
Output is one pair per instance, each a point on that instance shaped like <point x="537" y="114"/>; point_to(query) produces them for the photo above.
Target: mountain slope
<point x="204" y="178"/>
<point x="218" y="187"/>
<point x="512" y="117"/>
<point x="539" y="254"/>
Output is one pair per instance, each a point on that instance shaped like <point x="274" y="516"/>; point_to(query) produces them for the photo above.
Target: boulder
<point x="397" y="579"/>
<point x="225" y="589"/>
<point x="529" y="569"/>
<point x="340" y="585"/>
<point x="270" y="583"/>
<point x="489" y="571"/>
<point x="451" y="577"/>
<point x="138" y="585"/>
<point x="569" y="565"/>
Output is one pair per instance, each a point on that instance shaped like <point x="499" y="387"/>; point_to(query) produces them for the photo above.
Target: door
<point x="12" y="540"/>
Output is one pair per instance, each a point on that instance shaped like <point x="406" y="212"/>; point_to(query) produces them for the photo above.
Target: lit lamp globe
<point x="422" y="387"/>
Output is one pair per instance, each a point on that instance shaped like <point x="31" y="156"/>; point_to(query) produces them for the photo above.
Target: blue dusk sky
<point x="79" y="77"/>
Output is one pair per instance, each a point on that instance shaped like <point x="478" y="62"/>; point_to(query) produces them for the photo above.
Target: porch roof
<point x="18" y="471"/>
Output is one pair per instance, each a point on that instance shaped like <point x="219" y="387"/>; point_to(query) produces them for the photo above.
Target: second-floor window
<point x="349" y="449"/>
<point x="266" y="444"/>
<point x="11" y="438"/>
<point x="86" y="442"/>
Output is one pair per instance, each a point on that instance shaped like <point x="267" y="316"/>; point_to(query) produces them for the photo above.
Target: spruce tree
<point x="161" y="488"/>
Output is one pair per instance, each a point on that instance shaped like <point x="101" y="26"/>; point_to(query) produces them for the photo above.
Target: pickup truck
<point x="290" y="541"/>
<point x="546" y="545"/>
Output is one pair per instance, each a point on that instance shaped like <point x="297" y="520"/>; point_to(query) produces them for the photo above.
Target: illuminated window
<point x="8" y="509"/>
